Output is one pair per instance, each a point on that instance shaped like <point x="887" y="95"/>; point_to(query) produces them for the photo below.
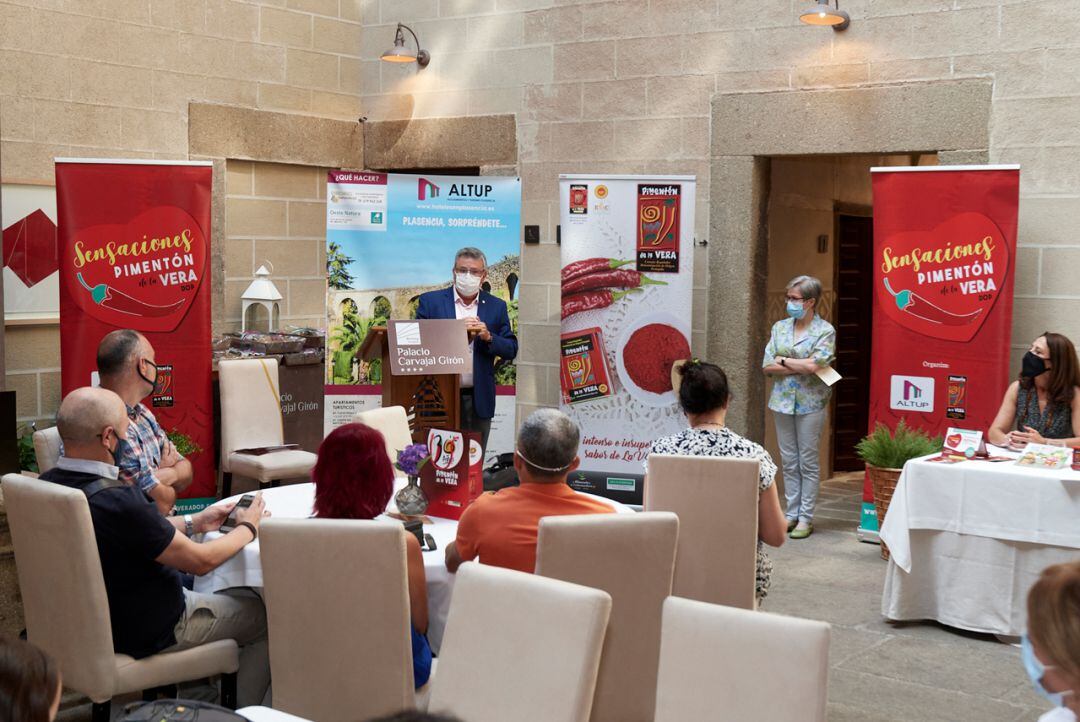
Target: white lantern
<point x="262" y="293"/>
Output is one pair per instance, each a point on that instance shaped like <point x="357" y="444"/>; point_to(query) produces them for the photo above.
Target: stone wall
<point x="626" y="87"/>
<point x="277" y="213"/>
<point x="114" y="78"/>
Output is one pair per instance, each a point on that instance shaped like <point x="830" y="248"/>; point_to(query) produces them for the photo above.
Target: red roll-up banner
<point x="134" y="248"/>
<point x="944" y="253"/>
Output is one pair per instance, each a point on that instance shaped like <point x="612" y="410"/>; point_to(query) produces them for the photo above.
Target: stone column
<point x="736" y="291"/>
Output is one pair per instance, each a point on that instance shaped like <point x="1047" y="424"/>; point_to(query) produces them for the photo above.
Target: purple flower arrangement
<point x="412" y="458"/>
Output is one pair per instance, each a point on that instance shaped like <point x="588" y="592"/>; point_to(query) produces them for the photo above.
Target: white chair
<point x="67" y="610"/>
<point x="250" y="419"/>
<point x="393" y="424"/>
<point x="632" y="558"/>
<point x="337" y="610"/>
<point x="722" y="663"/>
<point x="716" y="500"/>
<point x="519" y="647"/>
<point x="46" y="448"/>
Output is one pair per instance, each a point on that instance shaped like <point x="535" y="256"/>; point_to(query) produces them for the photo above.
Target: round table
<point x="295" y="502"/>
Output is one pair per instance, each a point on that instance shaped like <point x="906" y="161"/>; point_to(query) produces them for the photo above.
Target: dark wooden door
<point x="854" y="311"/>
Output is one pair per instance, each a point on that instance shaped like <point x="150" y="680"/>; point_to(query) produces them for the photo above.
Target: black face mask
<point x="1032" y="365"/>
<point x="138" y="370"/>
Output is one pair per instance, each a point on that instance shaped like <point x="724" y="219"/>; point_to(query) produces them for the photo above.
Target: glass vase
<point x="411" y="500"/>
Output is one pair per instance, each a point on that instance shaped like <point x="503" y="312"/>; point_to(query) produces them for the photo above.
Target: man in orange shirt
<point x="501" y="526"/>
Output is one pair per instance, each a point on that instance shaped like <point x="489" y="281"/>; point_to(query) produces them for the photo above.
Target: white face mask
<point x="467" y="284"/>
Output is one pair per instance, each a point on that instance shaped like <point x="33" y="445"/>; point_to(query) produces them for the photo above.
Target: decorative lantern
<point x="261" y="293"/>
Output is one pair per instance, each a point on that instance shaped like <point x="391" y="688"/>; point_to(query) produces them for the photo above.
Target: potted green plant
<point x="885" y="453"/>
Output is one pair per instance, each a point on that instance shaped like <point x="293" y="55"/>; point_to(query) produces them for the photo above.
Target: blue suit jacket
<point x="503" y="343"/>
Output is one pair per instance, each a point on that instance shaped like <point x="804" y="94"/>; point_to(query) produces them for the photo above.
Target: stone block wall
<point x="625" y="87"/>
<point x="277" y="213"/>
<point x="113" y="78"/>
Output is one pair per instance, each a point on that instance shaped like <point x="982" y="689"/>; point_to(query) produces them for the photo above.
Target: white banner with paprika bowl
<point x="627" y="285"/>
<point x="134" y="241"/>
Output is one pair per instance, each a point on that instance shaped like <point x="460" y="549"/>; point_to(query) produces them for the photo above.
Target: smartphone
<point x="230" y="521"/>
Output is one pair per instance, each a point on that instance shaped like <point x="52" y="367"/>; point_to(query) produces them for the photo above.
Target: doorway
<point x="854" y="313"/>
<point x="819" y="223"/>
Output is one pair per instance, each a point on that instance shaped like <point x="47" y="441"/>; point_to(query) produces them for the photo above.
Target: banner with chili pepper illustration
<point x="134" y="248"/>
<point x="627" y="285"/>
<point x="944" y="253"/>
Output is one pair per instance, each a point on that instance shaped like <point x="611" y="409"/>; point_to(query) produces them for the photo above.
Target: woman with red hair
<point x="354" y="479"/>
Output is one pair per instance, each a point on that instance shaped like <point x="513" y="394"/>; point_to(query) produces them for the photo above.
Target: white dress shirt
<point x="466" y="310"/>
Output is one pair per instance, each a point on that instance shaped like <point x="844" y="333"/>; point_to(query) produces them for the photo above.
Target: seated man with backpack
<point x="143" y="553"/>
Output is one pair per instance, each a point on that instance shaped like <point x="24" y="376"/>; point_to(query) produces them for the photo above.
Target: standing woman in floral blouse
<point x="799" y="346"/>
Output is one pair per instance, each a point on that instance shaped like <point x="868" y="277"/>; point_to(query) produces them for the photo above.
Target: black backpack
<point x="501" y="474"/>
<point x="178" y="710"/>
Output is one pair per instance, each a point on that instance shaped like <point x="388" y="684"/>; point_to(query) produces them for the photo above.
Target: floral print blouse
<point x="800" y="394"/>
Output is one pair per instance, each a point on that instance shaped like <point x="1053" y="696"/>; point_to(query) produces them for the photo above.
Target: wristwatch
<point x="189" y="525"/>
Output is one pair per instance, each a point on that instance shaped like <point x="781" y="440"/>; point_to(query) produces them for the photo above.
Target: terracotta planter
<point x="884" y="483"/>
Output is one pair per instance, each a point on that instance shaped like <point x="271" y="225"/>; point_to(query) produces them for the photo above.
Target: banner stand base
<point x="868" y="527"/>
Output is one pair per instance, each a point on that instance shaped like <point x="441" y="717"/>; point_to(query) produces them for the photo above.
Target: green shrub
<point x="890" y="450"/>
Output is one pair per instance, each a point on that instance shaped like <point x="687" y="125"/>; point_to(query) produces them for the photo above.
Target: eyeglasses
<point x="794" y="298"/>
<point x="469" y="272"/>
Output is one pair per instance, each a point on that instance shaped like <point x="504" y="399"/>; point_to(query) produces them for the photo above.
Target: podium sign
<point x="428" y="347"/>
<point x="453" y="478"/>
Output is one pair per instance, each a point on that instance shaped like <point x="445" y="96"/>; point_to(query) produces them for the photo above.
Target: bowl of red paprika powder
<point x="649" y="346"/>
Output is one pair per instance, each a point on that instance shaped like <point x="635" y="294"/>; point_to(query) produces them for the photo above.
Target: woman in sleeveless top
<point x="1043" y="405"/>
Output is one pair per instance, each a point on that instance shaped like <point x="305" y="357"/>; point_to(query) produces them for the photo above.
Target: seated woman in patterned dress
<point x="1043" y="405"/>
<point x="703" y="396"/>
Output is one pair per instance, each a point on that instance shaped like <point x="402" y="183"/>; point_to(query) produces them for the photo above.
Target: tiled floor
<point x="883" y="671"/>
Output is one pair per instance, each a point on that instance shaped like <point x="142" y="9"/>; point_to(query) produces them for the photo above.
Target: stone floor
<point x="878" y="671"/>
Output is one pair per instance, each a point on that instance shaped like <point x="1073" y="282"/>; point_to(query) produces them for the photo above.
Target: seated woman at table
<point x="1043" y="405"/>
<point x="704" y="395"/>
<point x="1051" y="647"/>
<point x="354" y="479"/>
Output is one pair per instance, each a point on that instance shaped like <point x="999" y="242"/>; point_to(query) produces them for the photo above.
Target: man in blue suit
<point x="490" y="335"/>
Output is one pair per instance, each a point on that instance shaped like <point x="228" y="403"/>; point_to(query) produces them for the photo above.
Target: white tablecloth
<point x="295" y="502"/>
<point x="968" y="540"/>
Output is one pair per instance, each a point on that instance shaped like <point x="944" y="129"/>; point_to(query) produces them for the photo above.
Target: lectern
<point x="429" y="384"/>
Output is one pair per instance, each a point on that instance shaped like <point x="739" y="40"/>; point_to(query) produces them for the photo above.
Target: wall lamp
<point x="823" y="13"/>
<point x="400" y="54"/>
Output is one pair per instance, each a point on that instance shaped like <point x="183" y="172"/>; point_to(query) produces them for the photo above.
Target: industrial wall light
<point x="822" y="13"/>
<point x="400" y="54"/>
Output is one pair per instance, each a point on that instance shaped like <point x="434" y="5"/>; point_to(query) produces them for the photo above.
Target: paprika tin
<point x="584" y="371"/>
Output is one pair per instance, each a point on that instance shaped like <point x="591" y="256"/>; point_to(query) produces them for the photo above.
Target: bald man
<point x="125" y="362"/>
<point x="143" y="553"/>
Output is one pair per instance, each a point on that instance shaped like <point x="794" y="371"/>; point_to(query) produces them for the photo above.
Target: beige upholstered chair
<point x="393" y="424"/>
<point x="716" y="500"/>
<point x="632" y="558"/>
<point x="46" y="448"/>
<point x="337" y="609"/>
<point x="67" y="611"/>
<point x="251" y="418"/>
<point x="519" y="647"/>
<point x="722" y="663"/>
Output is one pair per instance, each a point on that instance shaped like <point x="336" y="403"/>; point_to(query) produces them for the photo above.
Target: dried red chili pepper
<point x="917" y="306"/>
<point x="624" y="278"/>
<point x="590" y="265"/>
<point x="108" y="297"/>
<point x="591" y="301"/>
